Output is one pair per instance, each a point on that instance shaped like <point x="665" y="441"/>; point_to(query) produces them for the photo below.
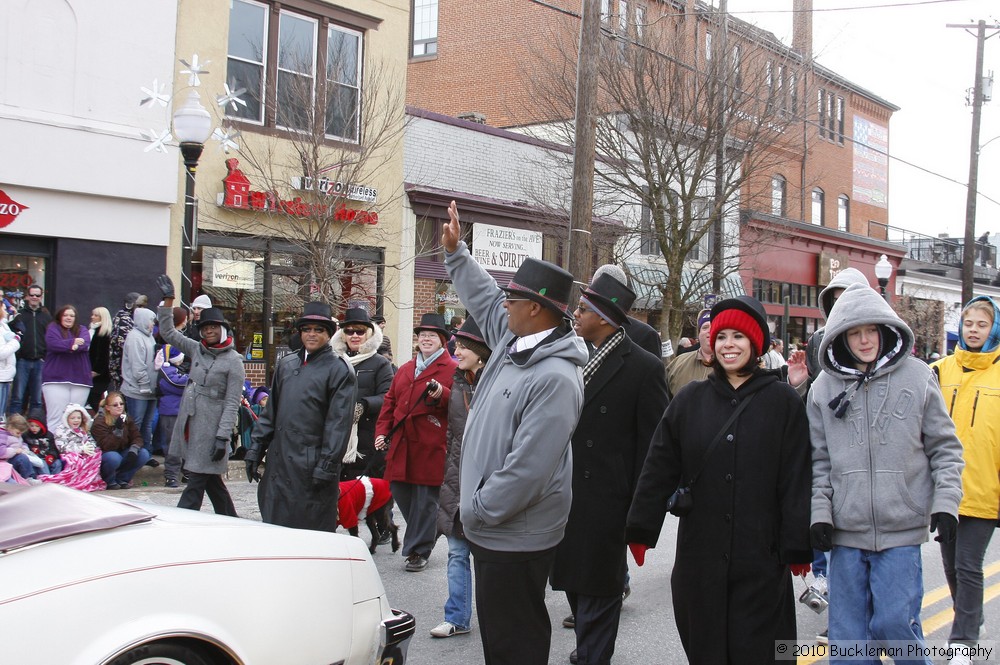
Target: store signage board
<point x="502" y="248"/>
<point x="352" y="191"/>
<point x="228" y="274"/>
<point x="9" y="209"/>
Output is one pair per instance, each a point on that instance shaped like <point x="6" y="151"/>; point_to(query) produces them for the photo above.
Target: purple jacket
<point x="62" y="364"/>
<point x="171" y="383"/>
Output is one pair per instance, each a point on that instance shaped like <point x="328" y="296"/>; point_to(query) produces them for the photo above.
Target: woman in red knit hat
<point x="745" y="529"/>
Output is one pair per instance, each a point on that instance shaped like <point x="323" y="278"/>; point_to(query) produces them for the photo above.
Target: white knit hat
<point x="202" y="301"/>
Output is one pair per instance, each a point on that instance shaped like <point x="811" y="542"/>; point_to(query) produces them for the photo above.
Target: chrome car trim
<point x="159" y="637"/>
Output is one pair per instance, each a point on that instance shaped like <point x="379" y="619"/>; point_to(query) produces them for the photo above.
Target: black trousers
<point x="596" y="626"/>
<point x="194" y="494"/>
<point x="510" y="603"/>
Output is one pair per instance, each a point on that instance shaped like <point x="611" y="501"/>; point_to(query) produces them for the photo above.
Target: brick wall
<point x="255" y="373"/>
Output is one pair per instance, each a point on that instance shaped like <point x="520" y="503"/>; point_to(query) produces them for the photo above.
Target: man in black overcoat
<point x="625" y="395"/>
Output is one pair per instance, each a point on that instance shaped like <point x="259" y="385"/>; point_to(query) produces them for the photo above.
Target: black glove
<point x="945" y="525"/>
<point x="120" y="421"/>
<point x="821" y="536"/>
<point x="221" y="446"/>
<point x="252" y="472"/>
<point x="131" y="457"/>
<point x="166" y="286"/>
<point x="318" y="485"/>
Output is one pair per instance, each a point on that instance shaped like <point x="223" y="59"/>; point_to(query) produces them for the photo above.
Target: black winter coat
<point x="732" y="590"/>
<point x="623" y="403"/>
<point x="374" y="375"/>
<point x="448" y="521"/>
<point x="303" y="433"/>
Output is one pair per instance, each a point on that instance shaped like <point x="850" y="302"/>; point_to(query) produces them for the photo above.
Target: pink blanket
<point x="79" y="472"/>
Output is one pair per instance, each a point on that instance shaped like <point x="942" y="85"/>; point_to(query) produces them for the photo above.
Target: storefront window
<point x="17" y="273"/>
<point x="236" y="281"/>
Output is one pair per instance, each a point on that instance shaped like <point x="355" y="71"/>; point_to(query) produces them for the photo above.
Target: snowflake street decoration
<point x="194" y="70"/>
<point x="227" y="139"/>
<point x="158" y="140"/>
<point x="155" y="94"/>
<point x="231" y="97"/>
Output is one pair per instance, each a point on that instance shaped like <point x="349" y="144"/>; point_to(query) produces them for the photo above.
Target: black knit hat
<point x="472" y="338"/>
<point x="543" y="282"/>
<point x="315" y="312"/>
<point x="611" y="297"/>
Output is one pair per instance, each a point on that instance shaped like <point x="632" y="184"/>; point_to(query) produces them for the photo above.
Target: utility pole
<point x="721" y="67"/>
<point x="969" y="246"/>
<point x="582" y="205"/>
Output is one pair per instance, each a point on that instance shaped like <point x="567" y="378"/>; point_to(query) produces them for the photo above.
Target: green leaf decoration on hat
<point x="614" y="300"/>
<point x="541" y="291"/>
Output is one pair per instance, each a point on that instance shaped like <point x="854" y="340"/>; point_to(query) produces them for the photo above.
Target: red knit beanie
<point x="737" y="319"/>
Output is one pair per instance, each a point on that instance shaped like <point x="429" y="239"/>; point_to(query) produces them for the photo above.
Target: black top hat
<point x="470" y="331"/>
<point x="749" y="305"/>
<point x="316" y="312"/>
<point x="432" y="322"/>
<point x="613" y="298"/>
<point x="543" y="282"/>
<point x="378" y="318"/>
<point x="212" y="315"/>
<point x="357" y="315"/>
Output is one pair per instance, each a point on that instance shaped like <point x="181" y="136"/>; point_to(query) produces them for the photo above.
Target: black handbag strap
<point x="718" y="437"/>
<point x="402" y="420"/>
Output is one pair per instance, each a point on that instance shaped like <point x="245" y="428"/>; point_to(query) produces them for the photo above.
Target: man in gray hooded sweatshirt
<point x="139" y="374"/>
<point x="516" y="470"/>
<point x="886" y="465"/>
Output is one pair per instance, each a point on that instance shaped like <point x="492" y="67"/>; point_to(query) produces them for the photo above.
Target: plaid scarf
<point x="600" y="354"/>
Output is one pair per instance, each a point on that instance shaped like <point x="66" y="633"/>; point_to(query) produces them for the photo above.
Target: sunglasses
<point x="355" y="331"/>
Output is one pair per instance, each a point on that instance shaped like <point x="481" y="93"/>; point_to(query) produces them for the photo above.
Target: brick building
<point x="824" y="192"/>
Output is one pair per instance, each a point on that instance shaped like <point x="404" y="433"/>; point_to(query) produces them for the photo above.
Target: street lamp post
<point x="883" y="271"/>
<point x="192" y="127"/>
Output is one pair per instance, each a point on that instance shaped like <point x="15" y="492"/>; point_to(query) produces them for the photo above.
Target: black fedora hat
<point x="212" y="315"/>
<point x="611" y="297"/>
<point x="316" y="312"/>
<point x="543" y="282"/>
<point x="472" y="338"/>
<point x="357" y="315"/>
<point x="432" y="322"/>
<point x="747" y="305"/>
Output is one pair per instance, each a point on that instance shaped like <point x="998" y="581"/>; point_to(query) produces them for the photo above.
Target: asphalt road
<point x="647" y="633"/>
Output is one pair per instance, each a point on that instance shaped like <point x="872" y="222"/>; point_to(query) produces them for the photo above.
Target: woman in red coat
<point x="415" y="413"/>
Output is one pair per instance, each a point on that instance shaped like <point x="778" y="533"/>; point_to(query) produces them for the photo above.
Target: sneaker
<point x="961" y="656"/>
<point x="171" y="483"/>
<point x="626" y="593"/>
<point x="415" y="563"/>
<point x="34" y="481"/>
<point x="823" y="638"/>
<point x="447" y="629"/>
<point x="153" y="463"/>
<point x="573" y="657"/>
<point x="570" y="621"/>
<point x="385" y="537"/>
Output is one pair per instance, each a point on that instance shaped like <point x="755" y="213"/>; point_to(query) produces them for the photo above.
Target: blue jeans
<point x="28" y="377"/>
<point x="141" y="411"/>
<point x="50" y="469"/>
<point x="113" y="470"/>
<point x="820" y="564"/>
<point x="876" y="597"/>
<point x="458" y="607"/>
<point x="23" y="466"/>
<point x="4" y="395"/>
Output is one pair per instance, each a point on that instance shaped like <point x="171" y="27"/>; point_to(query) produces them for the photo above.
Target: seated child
<point x="13" y="448"/>
<point x="80" y="455"/>
<point x="41" y="442"/>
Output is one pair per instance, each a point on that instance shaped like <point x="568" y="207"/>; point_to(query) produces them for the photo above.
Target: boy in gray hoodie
<point x="886" y="465"/>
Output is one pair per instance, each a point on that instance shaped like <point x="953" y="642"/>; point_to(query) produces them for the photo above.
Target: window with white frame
<point x="245" y="67"/>
<point x="817" y="206"/>
<point x="648" y="241"/>
<point x="295" y="73"/>
<point x="708" y="46"/>
<point x="701" y="209"/>
<point x="778" y="188"/>
<point x="425" y="27"/>
<point x="843" y="213"/>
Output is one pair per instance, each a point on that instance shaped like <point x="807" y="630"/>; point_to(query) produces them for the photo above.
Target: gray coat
<point x="138" y="370"/>
<point x="303" y="433"/>
<point x="211" y="399"/>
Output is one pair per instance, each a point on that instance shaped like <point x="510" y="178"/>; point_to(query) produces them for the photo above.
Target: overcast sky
<point x="903" y="53"/>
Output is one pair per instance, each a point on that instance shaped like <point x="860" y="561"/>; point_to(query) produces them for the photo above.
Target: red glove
<point x="638" y="553"/>
<point x="800" y="569"/>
